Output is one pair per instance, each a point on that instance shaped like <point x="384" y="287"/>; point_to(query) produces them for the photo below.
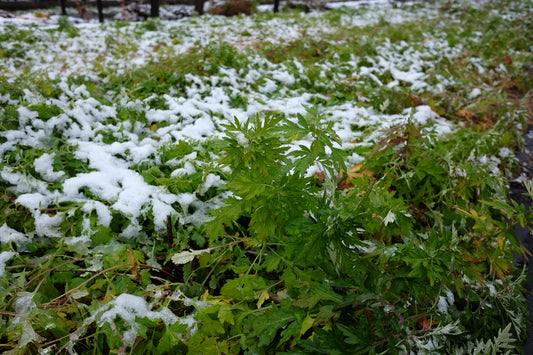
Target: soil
<point x="518" y="190"/>
<point x="524" y="234"/>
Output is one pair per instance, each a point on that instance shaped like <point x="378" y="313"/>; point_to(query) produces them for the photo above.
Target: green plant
<point x="66" y="26"/>
<point x="268" y="184"/>
<point x="330" y="266"/>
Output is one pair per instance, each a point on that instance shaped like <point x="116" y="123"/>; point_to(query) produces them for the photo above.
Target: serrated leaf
<point x="171" y="338"/>
<point x="350" y="333"/>
<point x="225" y="315"/>
<point x="244" y="288"/>
<point x="267" y="325"/>
<point x="315" y="294"/>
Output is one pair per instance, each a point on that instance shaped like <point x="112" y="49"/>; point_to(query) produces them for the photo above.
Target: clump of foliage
<point x="405" y="259"/>
<point x="233" y="8"/>
<point x="305" y="5"/>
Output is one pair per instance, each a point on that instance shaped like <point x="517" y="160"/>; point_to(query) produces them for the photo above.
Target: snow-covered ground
<point x="112" y="152"/>
<point x="197" y="115"/>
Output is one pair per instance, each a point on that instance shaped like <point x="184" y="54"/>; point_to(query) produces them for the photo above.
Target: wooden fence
<point x="154" y="5"/>
<point x="43" y="4"/>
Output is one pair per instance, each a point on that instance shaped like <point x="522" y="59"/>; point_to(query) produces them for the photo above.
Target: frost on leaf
<point x="389" y="218"/>
<point x="187" y="256"/>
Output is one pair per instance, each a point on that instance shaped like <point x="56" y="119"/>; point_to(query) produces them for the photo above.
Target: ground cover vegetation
<point x="327" y="182"/>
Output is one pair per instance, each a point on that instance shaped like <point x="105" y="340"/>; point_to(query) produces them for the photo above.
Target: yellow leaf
<point x="464" y="114"/>
<point x="222" y="301"/>
<point x="306" y="324"/>
<point x="205" y="296"/>
<point x="501" y="240"/>
<point x="154" y="127"/>
<point x="262" y="298"/>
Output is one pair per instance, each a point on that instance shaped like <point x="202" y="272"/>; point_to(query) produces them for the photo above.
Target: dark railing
<point x="100" y="4"/>
<point x="43" y="4"/>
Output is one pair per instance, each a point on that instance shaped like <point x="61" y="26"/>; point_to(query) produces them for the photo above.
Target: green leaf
<point x="102" y="235"/>
<point x="317" y="293"/>
<point x="244" y="288"/>
<point x="307" y="323"/>
<point x="200" y="344"/>
<point x="225" y="315"/>
<point x="171" y="338"/>
<point x="267" y="325"/>
<point x="350" y="334"/>
<point x="208" y="322"/>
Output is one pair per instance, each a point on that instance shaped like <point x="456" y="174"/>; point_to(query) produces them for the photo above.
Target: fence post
<point x="199" y="6"/>
<point x="154" y="8"/>
<point x="63" y="7"/>
<point x="100" y="11"/>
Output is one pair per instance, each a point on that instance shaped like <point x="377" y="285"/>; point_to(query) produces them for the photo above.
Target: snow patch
<point x="43" y="165"/>
<point x="129" y="307"/>
<point x="5" y="256"/>
<point x="8" y="235"/>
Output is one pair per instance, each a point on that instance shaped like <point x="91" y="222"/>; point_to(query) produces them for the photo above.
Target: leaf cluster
<point x="375" y="268"/>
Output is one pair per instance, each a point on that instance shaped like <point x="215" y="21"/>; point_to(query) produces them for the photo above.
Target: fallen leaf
<point x="320" y="176"/>
<point x="426" y="323"/>
<point x="354" y="173"/>
<point x="507" y="59"/>
<point x="464" y="114"/>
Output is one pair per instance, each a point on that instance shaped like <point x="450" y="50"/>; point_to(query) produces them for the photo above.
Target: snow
<point x="102" y="211"/>
<point x="5" y="256"/>
<point x="211" y="180"/>
<point x="113" y="182"/>
<point x="48" y="226"/>
<point x="33" y="201"/>
<point x="357" y="4"/>
<point x="284" y="77"/>
<point x="506" y="152"/>
<point x="474" y="93"/>
<point x="129" y="307"/>
<point x="22" y="183"/>
<point x="492" y="289"/>
<point x="43" y="165"/>
<point x="442" y="305"/>
<point x="26" y="115"/>
<point x="8" y="235"/>
<point x="445" y="301"/>
<point x="200" y="129"/>
<point x="186" y="199"/>
<point x="188" y="169"/>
